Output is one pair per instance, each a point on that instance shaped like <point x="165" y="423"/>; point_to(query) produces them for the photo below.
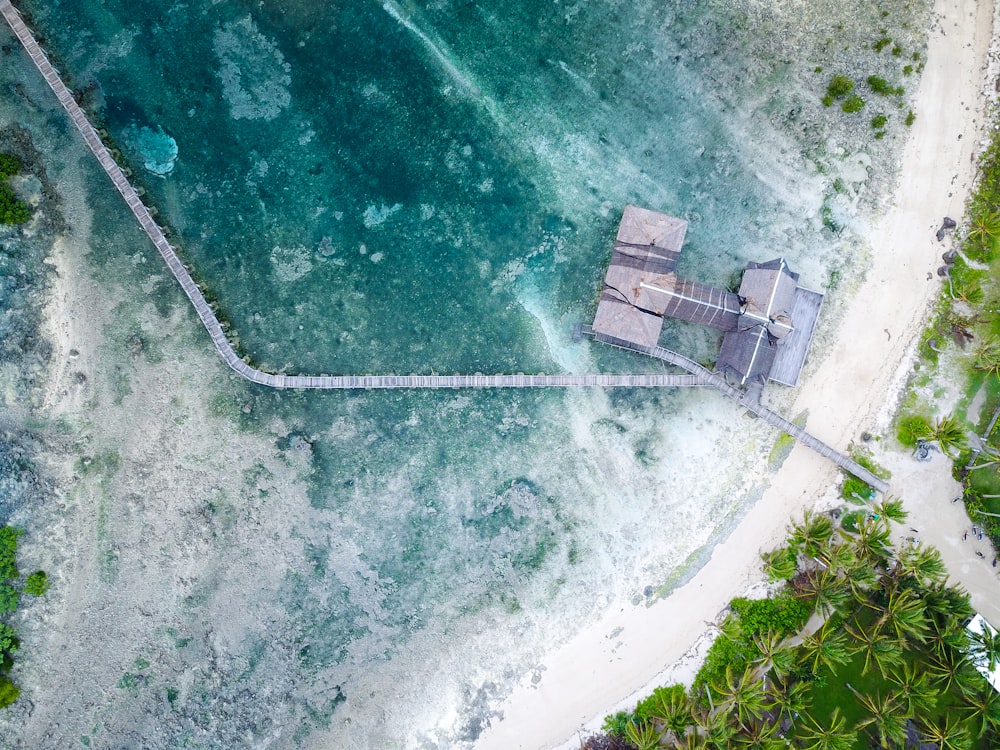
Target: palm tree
<point x="825" y="589"/>
<point x="879" y="650"/>
<point x="834" y="735"/>
<point x="812" y="535"/>
<point x="689" y="741"/>
<point x="671" y="709"/>
<point x="780" y="564"/>
<point x="839" y="558"/>
<point x="873" y="543"/>
<point x="826" y="647"/>
<point x="949" y="608"/>
<point x="987" y="357"/>
<point x="915" y="690"/>
<point x="922" y="563"/>
<point x="985" y="226"/>
<point x="903" y="615"/>
<point x="952" y="668"/>
<point x="643" y="735"/>
<point x="950" y="435"/>
<point x="860" y="579"/>
<point x="793" y="701"/>
<point x="713" y="727"/>
<point x="891" y="509"/>
<point x="886" y="717"/>
<point x="744" y="694"/>
<point x="983" y="708"/>
<point x="775" y="656"/>
<point x="947" y="733"/>
<point x="986" y="647"/>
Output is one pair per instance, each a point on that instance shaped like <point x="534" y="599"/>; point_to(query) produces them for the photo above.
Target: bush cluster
<point x="36" y="584"/>
<point x="12" y="211"/>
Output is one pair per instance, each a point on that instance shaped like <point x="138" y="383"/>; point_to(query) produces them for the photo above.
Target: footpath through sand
<point x="612" y="661"/>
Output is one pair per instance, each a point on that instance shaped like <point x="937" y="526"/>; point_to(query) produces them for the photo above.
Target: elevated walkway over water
<point x="696" y="374"/>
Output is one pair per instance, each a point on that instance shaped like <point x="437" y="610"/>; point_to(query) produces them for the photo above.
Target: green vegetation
<point x="890" y="656"/>
<point x="966" y="327"/>
<point x="910" y="118"/>
<point x="880" y="85"/>
<point x="838" y="88"/>
<point x="36" y="584"/>
<point x="882" y="43"/>
<point x="12" y="211"/>
<point x="853" y="103"/>
<point x="879" y="121"/>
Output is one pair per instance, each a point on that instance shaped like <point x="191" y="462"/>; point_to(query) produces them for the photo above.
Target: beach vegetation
<point x="35" y="584"/>
<point x="880" y="86"/>
<point x="910" y="118"/>
<point x="839" y="87"/>
<point x="912" y="429"/>
<point x="897" y="51"/>
<point x="853" y="103"/>
<point x="12" y="210"/>
<point x="890" y="664"/>
<point x="879" y="121"/>
<point x="882" y="43"/>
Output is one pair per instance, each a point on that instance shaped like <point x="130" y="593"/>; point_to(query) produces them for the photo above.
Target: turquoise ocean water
<point x="374" y="187"/>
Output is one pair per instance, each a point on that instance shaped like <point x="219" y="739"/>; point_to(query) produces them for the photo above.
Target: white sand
<point x="608" y="664"/>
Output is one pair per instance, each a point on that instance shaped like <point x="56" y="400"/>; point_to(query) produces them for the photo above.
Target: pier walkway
<point x="696" y="374"/>
<point x="211" y="322"/>
<point x="744" y="399"/>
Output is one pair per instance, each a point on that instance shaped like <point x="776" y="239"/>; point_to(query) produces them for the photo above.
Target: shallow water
<point x="403" y="187"/>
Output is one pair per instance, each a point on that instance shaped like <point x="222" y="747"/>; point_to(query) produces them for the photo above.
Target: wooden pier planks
<point x="771" y="417"/>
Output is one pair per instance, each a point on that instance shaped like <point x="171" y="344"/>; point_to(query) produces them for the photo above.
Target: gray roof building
<point x="768" y="324"/>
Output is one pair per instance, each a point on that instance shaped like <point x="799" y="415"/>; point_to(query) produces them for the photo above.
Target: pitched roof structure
<point x="749" y="349"/>
<point x="647" y="248"/>
<point x="768" y="324"/>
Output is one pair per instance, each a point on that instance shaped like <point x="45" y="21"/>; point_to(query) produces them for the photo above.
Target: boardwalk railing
<point x="771" y="417"/>
<point x="697" y="375"/>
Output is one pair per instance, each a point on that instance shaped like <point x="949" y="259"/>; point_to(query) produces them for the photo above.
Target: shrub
<point x="839" y="87"/>
<point x="651" y="707"/>
<point x="8" y="691"/>
<point x="37" y="583"/>
<point x="8" y="552"/>
<point x="9" y="165"/>
<point x="879" y="121"/>
<point x="616" y="724"/>
<point x="783" y="614"/>
<point x="8" y="639"/>
<point x="912" y="429"/>
<point x="907" y="70"/>
<point x="910" y="118"/>
<point x="12" y="211"/>
<point x="853" y="103"/>
<point x="827" y="101"/>
<point x="9" y="598"/>
<point x="879" y="85"/>
<point x="897" y="51"/>
<point x="854" y="488"/>
<point x="882" y="43"/>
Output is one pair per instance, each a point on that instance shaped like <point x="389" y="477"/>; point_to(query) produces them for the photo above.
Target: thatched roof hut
<point x="768" y="324"/>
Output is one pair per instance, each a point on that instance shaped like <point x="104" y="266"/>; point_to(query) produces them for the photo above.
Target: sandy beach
<point x="610" y="664"/>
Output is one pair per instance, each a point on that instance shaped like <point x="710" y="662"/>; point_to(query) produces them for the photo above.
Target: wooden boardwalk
<point x="771" y="417"/>
<point x="696" y="374"/>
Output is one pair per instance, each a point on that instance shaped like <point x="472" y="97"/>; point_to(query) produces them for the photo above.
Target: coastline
<point x="611" y="663"/>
